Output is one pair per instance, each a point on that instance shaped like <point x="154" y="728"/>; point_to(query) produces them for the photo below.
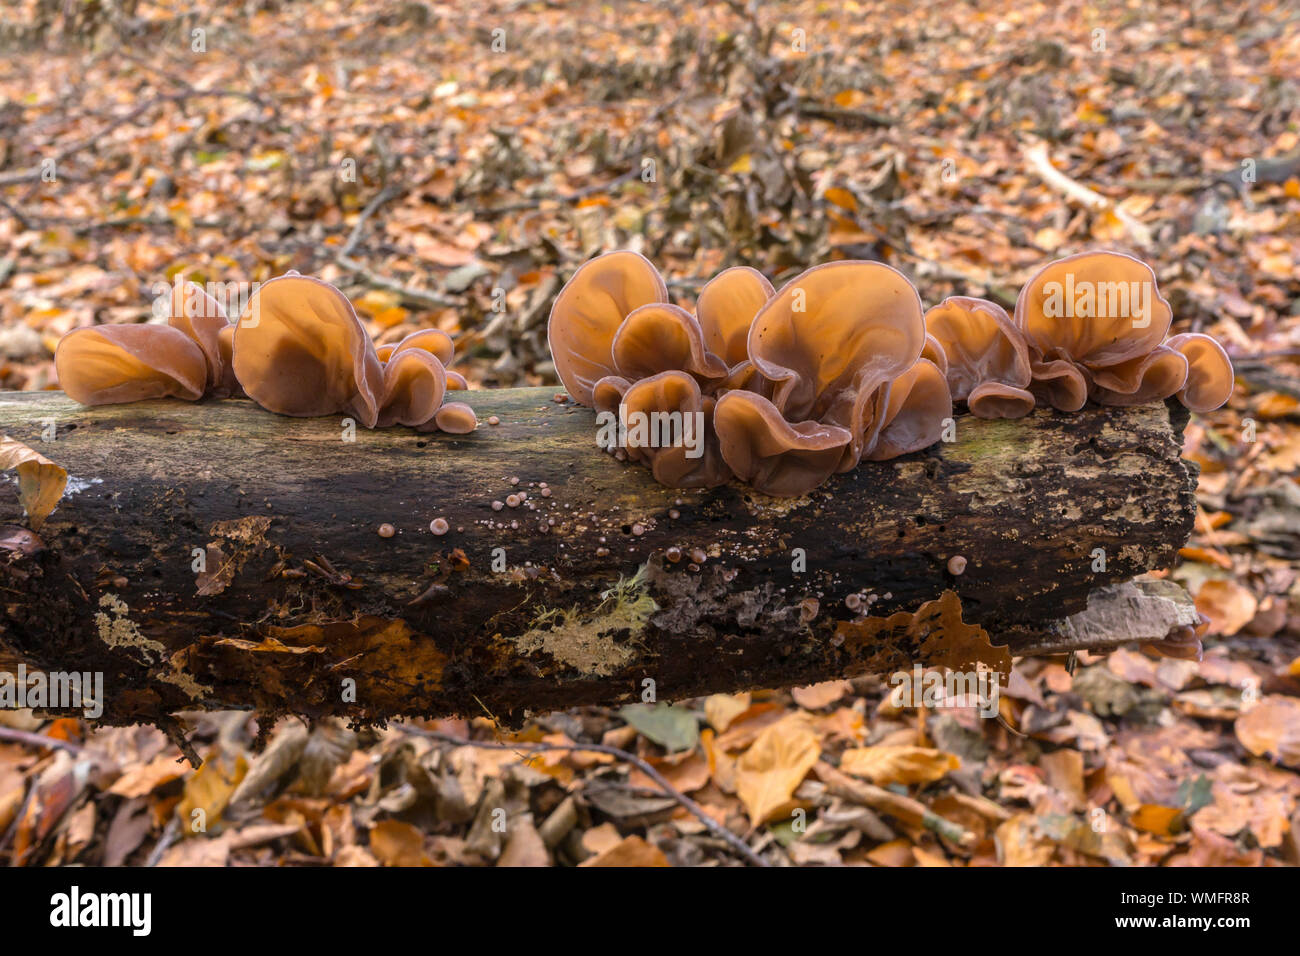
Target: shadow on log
<point x="215" y="555"/>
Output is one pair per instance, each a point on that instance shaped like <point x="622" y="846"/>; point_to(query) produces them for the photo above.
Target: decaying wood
<point x="570" y="598"/>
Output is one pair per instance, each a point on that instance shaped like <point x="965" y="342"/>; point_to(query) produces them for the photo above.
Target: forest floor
<point x="450" y="165"/>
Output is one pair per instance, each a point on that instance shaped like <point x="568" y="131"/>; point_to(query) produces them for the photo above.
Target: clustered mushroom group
<point x="298" y="348"/>
<point x="844" y="365"/>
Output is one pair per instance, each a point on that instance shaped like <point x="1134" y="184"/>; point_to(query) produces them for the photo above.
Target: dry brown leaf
<point x="600" y="838"/>
<point x="395" y="843"/>
<point x="1020" y="843"/>
<point x="1157" y="819"/>
<point x="145" y="778"/>
<point x="630" y="851"/>
<point x="817" y="696"/>
<point x="1272" y="728"/>
<point x="208" y="790"/>
<point x="687" y="771"/>
<point x="893" y="853"/>
<point x="40" y="481"/>
<point x="768" y="773"/>
<point x="1227" y="604"/>
<point x="524" y="846"/>
<point x="898" y="764"/>
<point x="721" y="709"/>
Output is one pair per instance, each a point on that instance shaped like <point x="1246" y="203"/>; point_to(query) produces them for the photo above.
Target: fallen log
<point x="215" y="555"/>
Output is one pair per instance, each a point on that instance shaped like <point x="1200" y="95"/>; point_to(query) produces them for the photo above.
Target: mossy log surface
<point x="302" y="599"/>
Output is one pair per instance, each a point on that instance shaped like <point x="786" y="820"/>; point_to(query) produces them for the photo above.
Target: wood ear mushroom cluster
<point x="1090" y="326"/>
<point x="842" y="365"/>
<point x="789" y="387"/>
<point x="297" y="349"/>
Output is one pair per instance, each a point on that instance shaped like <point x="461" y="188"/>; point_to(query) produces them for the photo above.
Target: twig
<point x="575" y="196"/>
<point x="717" y="829"/>
<point x="1041" y="164"/>
<point x="39" y="740"/>
<point x="166" y="840"/>
<point x="844" y="117"/>
<point x="18" y="818"/>
<point x="344" y="258"/>
<point x="910" y="811"/>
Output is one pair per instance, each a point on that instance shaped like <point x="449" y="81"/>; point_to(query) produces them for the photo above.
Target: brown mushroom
<point x="1151" y="377"/>
<point x="107" y="364"/>
<point x="1059" y="382"/>
<point x="203" y="319"/>
<point x="301" y="350"/>
<point x="691" y="458"/>
<point x="229" y="387"/>
<point x="726" y="308"/>
<point x="1097" y="308"/>
<point x="986" y="356"/>
<point x="588" y="312"/>
<point x="1209" y="371"/>
<point x="918" y="405"/>
<point x="456" y="418"/>
<point x="414" y="384"/>
<point x="832" y="332"/>
<point x="775" y="456"/>
<point x="933" y="351"/>
<point x="995" y="400"/>
<point x="434" y="341"/>
<point x="608" y="393"/>
<point x="660" y="338"/>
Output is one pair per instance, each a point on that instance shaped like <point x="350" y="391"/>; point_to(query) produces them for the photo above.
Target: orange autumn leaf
<point x="817" y="696"/>
<point x="630" y="851"/>
<point x="898" y="764"/>
<point x="1272" y="728"/>
<point x="1227" y="604"/>
<point x="721" y="709"/>
<point x="40" y="481"/>
<point x="1157" y="819"/>
<point x="394" y="843"/>
<point x="770" y="771"/>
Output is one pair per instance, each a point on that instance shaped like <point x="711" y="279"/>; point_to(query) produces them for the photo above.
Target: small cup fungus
<point x="1089" y="326"/>
<point x="1096" y="325"/>
<point x="298" y="349"/>
<point x="987" y="358"/>
<point x="187" y="358"/>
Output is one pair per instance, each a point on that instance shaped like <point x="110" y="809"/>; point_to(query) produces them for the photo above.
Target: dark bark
<point x="302" y="593"/>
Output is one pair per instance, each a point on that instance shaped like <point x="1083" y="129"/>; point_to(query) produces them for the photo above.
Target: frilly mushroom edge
<point x="790" y="386"/>
<point x="297" y="349"/>
<point x="1089" y="326"/>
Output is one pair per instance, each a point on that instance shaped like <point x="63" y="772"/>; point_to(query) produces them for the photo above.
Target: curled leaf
<point x="40" y="481"/>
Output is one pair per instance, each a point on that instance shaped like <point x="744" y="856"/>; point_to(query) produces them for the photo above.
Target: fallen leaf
<point x="721" y="709"/>
<point x="630" y="851"/>
<point x="395" y="843"/>
<point x="898" y="764"/>
<point x="768" y="773"/>
<point x="1227" y="604"/>
<point x="817" y="696"/>
<point x="40" y="481"/>
<point x="673" y="728"/>
<point x="1272" y="728"/>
